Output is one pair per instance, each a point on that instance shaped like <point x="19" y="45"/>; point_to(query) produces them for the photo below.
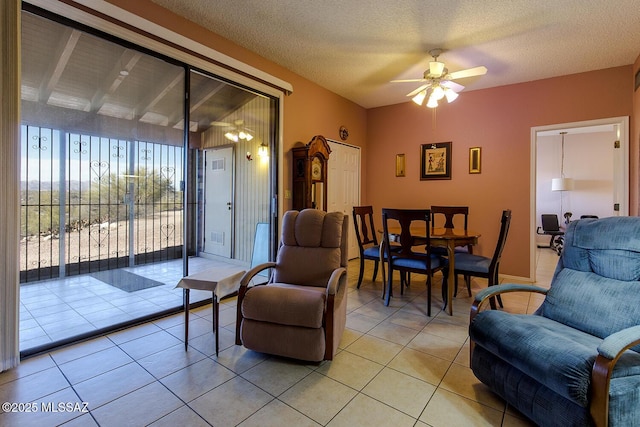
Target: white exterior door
<point x="218" y="201"/>
<point x="343" y="185"/>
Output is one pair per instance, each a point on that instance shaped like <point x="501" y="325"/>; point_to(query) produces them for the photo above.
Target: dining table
<point x="448" y="238"/>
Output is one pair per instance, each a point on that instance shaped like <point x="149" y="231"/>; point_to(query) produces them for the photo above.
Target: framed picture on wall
<point x="400" y="164"/>
<point x="474" y="160"/>
<point x="435" y="161"/>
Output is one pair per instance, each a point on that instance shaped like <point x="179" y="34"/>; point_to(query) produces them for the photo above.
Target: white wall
<point x="589" y="160"/>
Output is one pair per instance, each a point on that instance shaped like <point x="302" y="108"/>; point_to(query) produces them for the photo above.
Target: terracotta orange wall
<point x="499" y="120"/>
<point x="310" y="110"/>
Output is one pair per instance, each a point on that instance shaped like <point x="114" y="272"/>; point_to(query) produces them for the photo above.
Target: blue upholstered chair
<point x="576" y="360"/>
<point x="470" y="265"/>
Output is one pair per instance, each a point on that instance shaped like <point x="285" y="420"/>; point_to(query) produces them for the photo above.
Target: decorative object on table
<point x="344" y="133"/>
<point x="474" y="160"/>
<point x="310" y="174"/>
<point x="400" y="165"/>
<point x="438" y="82"/>
<point x="435" y="161"/>
<point x="576" y="360"/>
<point x="301" y="312"/>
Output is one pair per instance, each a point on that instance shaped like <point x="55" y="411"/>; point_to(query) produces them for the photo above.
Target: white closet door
<point x="343" y="185"/>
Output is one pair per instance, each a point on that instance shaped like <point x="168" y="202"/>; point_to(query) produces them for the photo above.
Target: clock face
<point x="316" y="169"/>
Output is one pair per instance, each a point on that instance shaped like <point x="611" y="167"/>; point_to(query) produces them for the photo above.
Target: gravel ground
<point x="103" y="241"/>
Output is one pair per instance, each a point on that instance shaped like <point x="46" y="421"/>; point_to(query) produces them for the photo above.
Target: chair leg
<point x="455" y="286"/>
<point x="445" y="275"/>
<point x="494" y="281"/>
<point x="375" y="271"/>
<point x="428" y="295"/>
<point x="387" y="297"/>
<point x="361" y="271"/>
<point x="467" y="279"/>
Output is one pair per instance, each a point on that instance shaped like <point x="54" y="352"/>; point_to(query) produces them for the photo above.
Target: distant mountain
<point x="35" y="185"/>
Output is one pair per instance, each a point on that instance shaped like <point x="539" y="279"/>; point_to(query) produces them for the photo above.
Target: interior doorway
<point x="595" y="155"/>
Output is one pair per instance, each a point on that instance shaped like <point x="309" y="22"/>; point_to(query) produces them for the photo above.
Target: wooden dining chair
<point x="367" y="239"/>
<point x="406" y="259"/>
<point x="449" y="213"/>
<point x="481" y="266"/>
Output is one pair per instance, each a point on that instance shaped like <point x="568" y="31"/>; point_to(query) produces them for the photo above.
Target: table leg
<point x="451" y="246"/>
<point x="386" y="288"/>
<point x="216" y="319"/>
<point x="186" y="317"/>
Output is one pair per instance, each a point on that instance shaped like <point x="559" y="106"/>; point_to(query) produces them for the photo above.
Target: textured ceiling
<point x="355" y="47"/>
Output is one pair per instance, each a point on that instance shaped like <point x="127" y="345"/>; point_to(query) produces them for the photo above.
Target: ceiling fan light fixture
<point x="245" y="135"/>
<point x="450" y="94"/>
<point x="438" y="93"/>
<point x="231" y="136"/>
<point x="433" y="102"/>
<point x="236" y="136"/>
<point x="419" y="98"/>
<point x="436" y="68"/>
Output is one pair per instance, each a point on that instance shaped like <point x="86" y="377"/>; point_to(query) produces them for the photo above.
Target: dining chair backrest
<point x="365" y="229"/>
<point x="505" y="223"/>
<point x="404" y="218"/>
<point x="449" y="213"/>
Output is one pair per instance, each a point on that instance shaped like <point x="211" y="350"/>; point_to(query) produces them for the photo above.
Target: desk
<point x="444" y="237"/>
<point x="220" y="281"/>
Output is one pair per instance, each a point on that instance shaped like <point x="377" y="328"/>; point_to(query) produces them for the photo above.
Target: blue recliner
<point x="576" y="361"/>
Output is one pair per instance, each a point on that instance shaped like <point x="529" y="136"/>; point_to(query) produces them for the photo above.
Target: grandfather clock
<point x="310" y="174"/>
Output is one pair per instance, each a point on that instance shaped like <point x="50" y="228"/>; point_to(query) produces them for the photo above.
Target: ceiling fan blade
<point x="221" y="124"/>
<point x="469" y="72"/>
<point x="418" y="90"/>
<point x="456" y="87"/>
<point x="408" y="81"/>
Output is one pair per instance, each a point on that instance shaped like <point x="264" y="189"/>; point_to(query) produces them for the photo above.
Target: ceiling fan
<point x="238" y="132"/>
<point x="438" y="82"/>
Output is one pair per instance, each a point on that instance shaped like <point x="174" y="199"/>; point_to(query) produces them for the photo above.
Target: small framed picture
<point x="435" y="161"/>
<point x="474" y="160"/>
<point x="400" y="171"/>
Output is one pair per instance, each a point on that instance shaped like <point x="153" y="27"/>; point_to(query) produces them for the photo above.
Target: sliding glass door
<point x="118" y="200"/>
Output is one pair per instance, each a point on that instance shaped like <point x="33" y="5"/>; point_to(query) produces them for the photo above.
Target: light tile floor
<point x="396" y="367"/>
<point x="57" y="309"/>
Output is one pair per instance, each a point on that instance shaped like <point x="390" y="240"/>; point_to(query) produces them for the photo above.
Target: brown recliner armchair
<point x="301" y="312"/>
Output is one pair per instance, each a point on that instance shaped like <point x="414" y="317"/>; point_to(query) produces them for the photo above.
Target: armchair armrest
<point x="244" y="282"/>
<point x="492" y="291"/>
<point x="334" y="280"/>
<point x="609" y="351"/>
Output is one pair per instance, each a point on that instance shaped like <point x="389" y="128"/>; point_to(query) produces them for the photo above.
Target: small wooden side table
<point x="221" y="282"/>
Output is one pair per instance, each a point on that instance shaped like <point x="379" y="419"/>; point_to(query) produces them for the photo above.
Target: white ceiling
<point x="354" y="47"/>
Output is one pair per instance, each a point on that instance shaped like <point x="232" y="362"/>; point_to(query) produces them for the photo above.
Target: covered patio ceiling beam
<point x="65" y="48"/>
